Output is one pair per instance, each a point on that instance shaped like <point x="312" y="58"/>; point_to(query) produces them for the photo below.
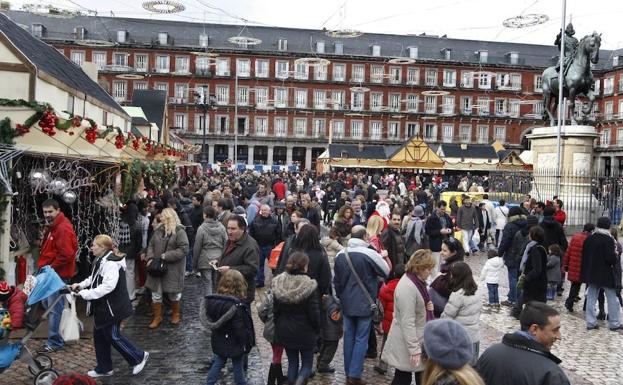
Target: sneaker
<point x="506" y="303"/>
<point x="616" y="329"/>
<point x="380" y="370"/>
<point x="198" y="274"/>
<point x="326" y="369"/>
<point x="592" y="327"/>
<point x="187" y="273"/>
<point x="49" y="349"/>
<point x="94" y="374"/>
<point x="138" y="368"/>
<point x="467" y="254"/>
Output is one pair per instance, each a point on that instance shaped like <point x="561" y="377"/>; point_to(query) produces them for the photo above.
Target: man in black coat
<point x="524" y="357"/>
<point x="438" y="227"/>
<point x="516" y="222"/>
<point x="599" y="262"/>
<point x="554" y="233"/>
<point x="266" y="231"/>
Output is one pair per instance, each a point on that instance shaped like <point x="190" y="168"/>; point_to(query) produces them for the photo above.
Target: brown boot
<point x="175" y="316"/>
<point x="157" y="308"/>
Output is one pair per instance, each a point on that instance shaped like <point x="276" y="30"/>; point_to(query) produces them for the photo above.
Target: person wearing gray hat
<point x="415" y="237"/>
<point x="448" y="349"/>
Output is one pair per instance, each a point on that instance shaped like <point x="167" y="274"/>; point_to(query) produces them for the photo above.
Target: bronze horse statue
<point x="578" y="80"/>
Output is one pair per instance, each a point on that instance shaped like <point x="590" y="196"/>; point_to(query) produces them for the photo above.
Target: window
<point x="120" y="90"/>
<point x="447" y="54"/>
<point x="319" y="127"/>
<point x="620" y="137"/>
<point x="513" y="57"/>
<point x="77" y="57"/>
<point x="281" y="69"/>
<point x="99" y="58"/>
<point x="320" y="99"/>
<point x="356" y="129"/>
<point x="339" y="72"/>
<point x="413" y="52"/>
<point x="449" y="78"/>
<point x="376" y="129"/>
<point x="181" y="92"/>
<point x="222" y="124"/>
<point x="499" y="133"/>
<point x="376" y="101"/>
<point x="222" y="95"/>
<point x="513" y="108"/>
<point x="204" y="40"/>
<point x="483" y="56"/>
<point x="376" y="50"/>
<point x="466" y="105"/>
<point x="447" y="133"/>
<point x="180" y="121"/>
<point x="37" y="30"/>
<point x="70" y="104"/>
<point x="516" y="81"/>
<point x="538" y="83"/>
<point x="202" y="65"/>
<point x="282" y="44"/>
<point x="301" y="71"/>
<point x="395" y="75"/>
<point x="141" y="62"/>
<point x="413" y="129"/>
<point x="261" y="126"/>
<point x="338" y="47"/>
<point x="338" y="100"/>
<point x="357" y="73"/>
<point x="261" y="68"/>
<point x="300" y="98"/>
<point x="467" y="79"/>
<point x="430" y="104"/>
<point x="413" y="76"/>
<point x="500" y="107"/>
<point x="356" y="101"/>
<point x="243" y="68"/>
<point x="222" y="67"/>
<point x="465" y="133"/>
<point x="281" y="127"/>
<point x="122" y="36"/>
<point x="162" y="64"/>
<point x="608" y="109"/>
<point x="162" y="87"/>
<point x="394" y="130"/>
<point x="182" y="64"/>
<point x="620" y="83"/>
<point x="394" y="102"/>
<point x="337" y="128"/>
<point x="281" y="97"/>
<point x="482" y="105"/>
<point x="320" y="46"/>
<point x="430" y="132"/>
<point x="163" y="38"/>
<point x="604" y="139"/>
<point x="120" y="59"/>
<point x="484" y="81"/>
<point x="412" y="102"/>
<point x="300" y="127"/>
<point x="431" y="77"/>
<point x="597" y="87"/>
<point x="261" y="96"/>
<point x="482" y="134"/>
<point x="620" y="111"/>
<point x="447" y="106"/>
<point x="608" y="85"/>
<point x="140" y="85"/>
<point x="200" y="123"/>
<point x="320" y="72"/>
<point x="376" y="74"/>
<point x="537" y="108"/>
<point x="243" y="96"/>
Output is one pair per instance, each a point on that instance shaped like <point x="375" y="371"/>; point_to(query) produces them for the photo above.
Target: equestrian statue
<point x="577" y="75"/>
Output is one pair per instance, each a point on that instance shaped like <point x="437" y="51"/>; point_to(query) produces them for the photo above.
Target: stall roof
<point x="473" y="151"/>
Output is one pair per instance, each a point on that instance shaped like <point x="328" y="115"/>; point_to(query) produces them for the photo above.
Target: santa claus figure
<point x="383" y="211"/>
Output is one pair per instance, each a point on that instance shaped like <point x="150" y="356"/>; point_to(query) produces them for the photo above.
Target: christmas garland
<point x="155" y="175"/>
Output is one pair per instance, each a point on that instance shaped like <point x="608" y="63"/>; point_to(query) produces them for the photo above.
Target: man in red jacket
<point x="572" y="263"/>
<point x="14" y="300"/>
<point x="58" y="251"/>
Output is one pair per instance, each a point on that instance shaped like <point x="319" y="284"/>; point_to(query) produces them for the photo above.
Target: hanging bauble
<point x="39" y="177"/>
<point x="58" y="186"/>
<point x="69" y="197"/>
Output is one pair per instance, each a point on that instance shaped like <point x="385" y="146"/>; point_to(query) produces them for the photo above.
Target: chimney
<point x="90" y="69"/>
<point x="5" y="6"/>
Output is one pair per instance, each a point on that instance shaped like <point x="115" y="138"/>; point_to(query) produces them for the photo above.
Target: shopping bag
<point x="71" y="326"/>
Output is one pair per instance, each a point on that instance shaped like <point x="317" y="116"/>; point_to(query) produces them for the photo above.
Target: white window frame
<point x="447" y="104"/>
<point x="243" y="96"/>
<point x="484" y="81"/>
<point x="395" y="102"/>
<point x="338" y="72"/>
<point x="430" y="132"/>
<point x="182" y="64"/>
<point x="395" y="75"/>
<point x="608" y="109"/>
<point x="604" y="138"/>
<point x="202" y="65"/>
<point x="412" y="102"/>
<point x="357" y="99"/>
<point x="243" y="68"/>
<point x="376" y="74"/>
<point x="222" y="94"/>
<point x="376" y="101"/>
<point x="100" y="59"/>
<point x="482" y="134"/>
<point x="281" y="127"/>
<point x="282" y="68"/>
<point x="514" y="108"/>
<point x="609" y="85"/>
<point x="262" y="68"/>
<point x="141" y="62"/>
<point x="300" y="127"/>
<point x="467" y="79"/>
<point x="261" y="97"/>
<point x="449" y="78"/>
<point x="484" y="106"/>
<point x="281" y="97"/>
<point x="261" y="125"/>
<point x="413" y="52"/>
<point x="465" y="133"/>
<point x="222" y="67"/>
<point x="320" y="99"/>
<point x="501" y="107"/>
<point x="413" y="76"/>
<point x="338" y="98"/>
<point x="467" y="105"/>
<point x="140" y="85"/>
<point x="181" y="121"/>
<point x="78" y="57"/>
<point x="393" y="129"/>
<point x="430" y="77"/>
<point x="499" y="133"/>
<point x="301" y="71"/>
<point x="619" y="136"/>
<point x="358" y="73"/>
<point x="320" y="72"/>
<point x="120" y="90"/>
<point x="413" y="129"/>
<point x="220" y="129"/>
<point x="356" y="129"/>
<point x="181" y="92"/>
<point x="319" y="128"/>
<point x="376" y="130"/>
<point x="538" y="83"/>
<point x="430" y="104"/>
<point x="337" y="128"/>
<point x="447" y="133"/>
<point x="300" y="98"/>
<point x="163" y="64"/>
<point x="376" y="50"/>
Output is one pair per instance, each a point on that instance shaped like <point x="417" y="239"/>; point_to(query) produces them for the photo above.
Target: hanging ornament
<point x="58" y="186"/>
<point x="69" y="197"/>
<point x="39" y="178"/>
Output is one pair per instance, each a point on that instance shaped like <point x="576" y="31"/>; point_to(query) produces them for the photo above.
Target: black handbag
<point x="158" y="267"/>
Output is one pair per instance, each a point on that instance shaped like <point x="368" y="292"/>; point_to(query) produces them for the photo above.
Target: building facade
<point x="280" y="95"/>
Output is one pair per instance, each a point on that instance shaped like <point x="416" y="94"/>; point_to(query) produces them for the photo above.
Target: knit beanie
<point x="513" y="211"/>
<point x="447" y="343"/>
<point x="603" y="223"/>
<point x="532" y="220"/>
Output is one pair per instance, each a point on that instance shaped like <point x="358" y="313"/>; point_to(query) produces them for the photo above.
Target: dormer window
<point x="338" y="48"/>
<point x="447" y="53"/>
<point x="282" y="45"/>
<point x="122" y="36"/>
<point x="80" y="33"/>
<point x="163" y="38"/>
<point x="513" y="57"/>
<point x="413" y="52"/>
<point x="376" y="50"/>
<point x="203" y="40"/>
<point x="37" y="30"/>
<point x="615" y="60"/>
<point x="483" y="56"/>
<point x="320" y="47"/>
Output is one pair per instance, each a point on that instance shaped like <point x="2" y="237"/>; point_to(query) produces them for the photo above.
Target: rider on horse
<point x="571" y="44"/>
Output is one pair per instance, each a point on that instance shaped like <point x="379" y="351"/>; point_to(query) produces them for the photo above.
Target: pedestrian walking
<point x="572" y="263"/>
<point x="440" y="289"/>
<point x="209" y="244"/>
<point x="490" y="274"/>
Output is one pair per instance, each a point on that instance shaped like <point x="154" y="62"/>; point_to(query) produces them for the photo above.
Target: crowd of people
<point x="344" y="256"/>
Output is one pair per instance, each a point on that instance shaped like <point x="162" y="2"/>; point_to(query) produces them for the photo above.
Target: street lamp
<point x="204" y="101"/>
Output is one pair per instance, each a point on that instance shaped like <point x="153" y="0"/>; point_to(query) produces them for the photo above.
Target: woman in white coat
<point x="412" y="309"/>
<point x="500" y="217"/>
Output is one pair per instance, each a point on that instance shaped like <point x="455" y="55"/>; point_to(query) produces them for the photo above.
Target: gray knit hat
<point x="447" y="343"/>
<point x="418" y="211"/>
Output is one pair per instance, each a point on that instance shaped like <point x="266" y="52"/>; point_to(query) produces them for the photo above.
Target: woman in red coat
<point x="572" y="263"/>
<point x="14" y="300"/>
<point x="386" y="296"/>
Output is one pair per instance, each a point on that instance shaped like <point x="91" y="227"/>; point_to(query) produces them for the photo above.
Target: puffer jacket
<point x="386" y="296"/>
<point x="265" y="230"/>
<point x="296" y="311"/>
<point x="17" y="306"/>
<point x="230" y="321"/>
<point x="464" y="309"/>
<point x="209" y="243"/>
<point x="491" y="270"/>
<point x="572" y="261"/>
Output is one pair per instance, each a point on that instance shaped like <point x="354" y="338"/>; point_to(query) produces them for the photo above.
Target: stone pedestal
<point x="576" y="169"/>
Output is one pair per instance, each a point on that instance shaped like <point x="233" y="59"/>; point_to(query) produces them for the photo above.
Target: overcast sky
<point x="465" y="19"/>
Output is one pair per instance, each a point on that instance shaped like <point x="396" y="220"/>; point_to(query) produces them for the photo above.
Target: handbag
<point x="375" y="306"/>
<point x="158" y="267"/>
<point x="70" y="326"/>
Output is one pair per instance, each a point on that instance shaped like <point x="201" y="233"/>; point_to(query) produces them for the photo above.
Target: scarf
<point x="421" y="286"/>
<point x="524" y="257"/>
<point x="606" y="232"/>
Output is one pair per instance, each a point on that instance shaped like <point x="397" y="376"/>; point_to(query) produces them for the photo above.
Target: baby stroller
<point x="47" y="283"/>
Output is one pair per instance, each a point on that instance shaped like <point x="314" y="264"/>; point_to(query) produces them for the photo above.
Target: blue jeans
<point x="613" y="306"/>
<point x="217" y="364"/>
<point x="513" y="275"/>
<point x="493" y="293"/>
<point x="54" y="321"/>
<point x="307" y="361"/>
<point x="356" y="333"/>
<point x="264" y="254"/>
<point x="551" y="290"/>
<point x="189" y="259"/>
<point x="110" y="337"/>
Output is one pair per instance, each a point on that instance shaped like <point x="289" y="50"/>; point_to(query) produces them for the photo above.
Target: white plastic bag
<point x="71" y="326"/>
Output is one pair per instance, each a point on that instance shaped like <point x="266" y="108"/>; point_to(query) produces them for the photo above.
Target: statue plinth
<point x="573" y="183"/>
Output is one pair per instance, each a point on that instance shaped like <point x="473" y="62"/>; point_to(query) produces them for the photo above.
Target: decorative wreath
<point x="524" y="21"/>
<point x="244" y="40"/>
<point x="344" y="33"/>
<point x="163" y="6"/>
<point x="313" y="61"/>
<point x="401" y="60"/>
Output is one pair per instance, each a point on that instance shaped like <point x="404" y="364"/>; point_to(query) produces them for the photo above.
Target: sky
<point x="462" y="19"/>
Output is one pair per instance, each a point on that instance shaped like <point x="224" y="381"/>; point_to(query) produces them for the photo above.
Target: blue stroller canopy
<point x="48" y="283"/>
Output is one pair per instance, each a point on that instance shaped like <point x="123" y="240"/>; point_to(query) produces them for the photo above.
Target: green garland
<point x="156" y="175"/>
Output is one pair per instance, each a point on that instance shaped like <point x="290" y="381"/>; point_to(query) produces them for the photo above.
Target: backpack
<point x="411" y="245"/>
<point x="520" y="241"/>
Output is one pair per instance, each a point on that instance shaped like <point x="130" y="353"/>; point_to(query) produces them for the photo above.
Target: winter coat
<point x="554" y="273"/>
<point x="60" y="247"/>
<point x="343" y="227"/>
<point x="230" y="321"/>
<point x="515" y="253"/>
<point x="505" y="250"/>
<point x="572" y="261"/>
<point x="500" y="215"/>
<point x="465" y="309"/>
<point x="386" y="296"/>
<point x="520" y="361"/>
<point x="554" y="234"/>
<point x="433" y="228"/>
<point x="319" y="270"/>
<point x="265" y="231"/>
<point x="394" y="244"/>
<point x="332" y="247"/>
<point x="407" y="329"/>
<point x="598" y="261"/>
<point x="244" y="257"/>
<point x="467" y="217"/>
<point x="196" y="217"/>
<point x="283" y="220"/>
<point x="16" y="304"/>
<point x="331" y="328"/>
<point x="175" y="248"/>
<point x="440" y="289"/>
<point x="491" y="270"/>
<point x="296" y="311"/>
<point x="535" y="272"/>
<point x="209" y="243"/>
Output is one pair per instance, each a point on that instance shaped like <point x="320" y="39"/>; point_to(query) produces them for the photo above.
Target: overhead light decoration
<point x="53" y="11"/>
<point x="204" y="54"/>
<point x="163" y="6"/>
<point x="435" y="93"/>
<point x="244" y="41"/>
<point x="343" y="33"/>
<point x="130" y="76"/>
<point x="117" y="68"/>
<point x="94" y="43"/>
<point x="313" y="61"/>
<point x="359" y="89"/>
<point x="401" y="60"/>
<point x="524" y="21"/>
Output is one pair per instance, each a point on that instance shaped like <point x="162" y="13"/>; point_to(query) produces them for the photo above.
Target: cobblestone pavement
<point x="181" y="354"/>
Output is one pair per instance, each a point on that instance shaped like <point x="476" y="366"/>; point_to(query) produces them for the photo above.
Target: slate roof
<point x="153" y="103"/>
<point x="474" y="151"/>
<point x="139" y="121"/>
<point x="367" y="152"/>
<point x="49" y="60"/>
<point x="185" y="35"/>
